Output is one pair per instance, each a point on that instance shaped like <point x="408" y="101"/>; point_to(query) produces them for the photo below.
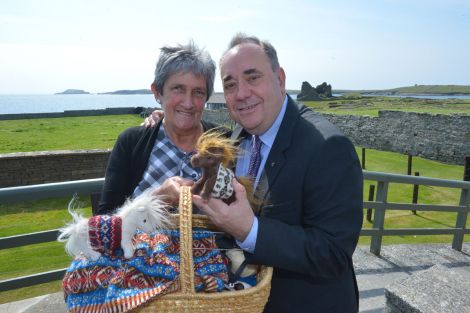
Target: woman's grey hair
<point x="241" y="38"/>
<point x="184" y="58"/>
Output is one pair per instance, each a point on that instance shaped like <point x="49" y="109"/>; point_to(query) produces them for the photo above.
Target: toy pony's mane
<point x="217" y="139"/>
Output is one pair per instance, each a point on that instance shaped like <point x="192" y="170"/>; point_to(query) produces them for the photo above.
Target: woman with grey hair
<point x="159" y="157"/>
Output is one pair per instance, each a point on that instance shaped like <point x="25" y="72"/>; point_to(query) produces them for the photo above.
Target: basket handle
<point x="186" y="241"/>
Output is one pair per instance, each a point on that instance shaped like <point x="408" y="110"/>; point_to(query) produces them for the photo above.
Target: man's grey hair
<point x="184" y="58"/>
<point x="241" y="38"/>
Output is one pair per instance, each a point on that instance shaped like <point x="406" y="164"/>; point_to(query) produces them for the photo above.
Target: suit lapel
<point x="277" y="158"/>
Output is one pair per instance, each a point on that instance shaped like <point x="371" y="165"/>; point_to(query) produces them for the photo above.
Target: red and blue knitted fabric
<point x="104" y="232"/>
<point x="115" y="284"/>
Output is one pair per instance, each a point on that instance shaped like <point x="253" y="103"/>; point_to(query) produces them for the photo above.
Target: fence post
<point x="363" y="158"/>
<point x="461" y="221"/>
<point x="415" y="194"/>
<point x="466" y="169"/>
<point x="410" y="163"/>
<point x="371" y="198"/>
<point x="379" y="217"/>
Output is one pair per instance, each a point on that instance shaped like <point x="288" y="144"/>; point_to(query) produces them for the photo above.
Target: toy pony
<point x="104" y="234"/>
<point x="214" y="154"/>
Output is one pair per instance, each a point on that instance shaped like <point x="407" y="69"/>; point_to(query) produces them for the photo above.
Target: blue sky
<point x="48" y="46"/>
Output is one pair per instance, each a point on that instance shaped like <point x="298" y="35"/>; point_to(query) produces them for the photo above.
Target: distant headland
<point x="73" y="92"/>
<point x="128" y="92"/>
<point x="117" y="92"/>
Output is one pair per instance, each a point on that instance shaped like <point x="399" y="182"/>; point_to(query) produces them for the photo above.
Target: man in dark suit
<point x="309" y="177"/>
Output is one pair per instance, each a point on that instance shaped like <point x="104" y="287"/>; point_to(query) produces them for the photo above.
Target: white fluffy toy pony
<point x="103" y="234"/>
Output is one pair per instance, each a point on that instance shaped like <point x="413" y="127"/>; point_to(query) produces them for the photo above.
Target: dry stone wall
<point x="220" y="117"/>
<point x="444" y="138"/>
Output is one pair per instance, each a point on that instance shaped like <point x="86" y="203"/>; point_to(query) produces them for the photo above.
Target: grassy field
<point x="356" y="104"/>
<point x="419" y="89"/>
<point x="434" y="89"/>
<point x="101" y="132"/>
<point x="90" y="132"/>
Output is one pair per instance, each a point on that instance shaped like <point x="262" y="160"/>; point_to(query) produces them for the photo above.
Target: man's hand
<point x="153" y="118"/>
<point x="170" y="189"/>
<point x="235" y="219"/>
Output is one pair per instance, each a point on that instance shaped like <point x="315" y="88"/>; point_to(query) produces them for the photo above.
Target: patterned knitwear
<point x="105" y="233"/>
<point x="223" y="188"/>
<point x="115" y="284"/>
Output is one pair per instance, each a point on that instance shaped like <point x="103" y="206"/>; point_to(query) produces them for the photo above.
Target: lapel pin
<point x="273" y="163"/>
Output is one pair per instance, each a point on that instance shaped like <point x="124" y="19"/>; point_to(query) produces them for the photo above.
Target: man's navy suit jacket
<point x="310" y="220"/>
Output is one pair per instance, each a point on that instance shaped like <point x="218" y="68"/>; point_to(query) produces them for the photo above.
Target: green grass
<point x="90" y="132"/>
<point x="102" y="131"/>
<point x="28" y="217"/>
<point x="434" y="89"/>
<point x="417" y="89"/>
<point x="355" y="104"/>
<point x="30" y="292"/>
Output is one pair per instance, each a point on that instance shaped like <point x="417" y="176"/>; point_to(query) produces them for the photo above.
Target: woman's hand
<point x="169" y="191"/>
<point x="153" y="118"/>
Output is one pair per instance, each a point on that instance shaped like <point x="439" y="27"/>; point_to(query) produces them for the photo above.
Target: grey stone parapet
<point x="29" y="168"/>
<point x="435" y="290"/>
<point x="73" y="113"/>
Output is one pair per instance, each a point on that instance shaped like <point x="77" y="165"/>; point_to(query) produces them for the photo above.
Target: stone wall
<point x="444" y="138"/>
<point x="20" y="169"/>
<point x="220" y="117"/>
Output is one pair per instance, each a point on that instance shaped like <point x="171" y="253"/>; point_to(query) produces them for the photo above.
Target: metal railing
<point x="380" y="206"/>
<point x="35" y="192"/>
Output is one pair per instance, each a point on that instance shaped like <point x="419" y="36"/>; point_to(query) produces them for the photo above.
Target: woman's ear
<point x="156" y="94"/>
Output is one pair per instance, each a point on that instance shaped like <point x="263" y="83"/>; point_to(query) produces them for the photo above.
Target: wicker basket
<point x="250" y="300"/>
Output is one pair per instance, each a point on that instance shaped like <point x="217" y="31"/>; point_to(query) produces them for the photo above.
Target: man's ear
<point x="282" y="79"/>
<point x="156" y="94"/>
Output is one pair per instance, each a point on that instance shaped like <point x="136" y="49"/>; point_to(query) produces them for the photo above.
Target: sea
<point x="13" y="104"/>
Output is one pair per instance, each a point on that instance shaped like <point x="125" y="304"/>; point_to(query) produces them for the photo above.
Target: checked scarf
<point x="166" y="161"/>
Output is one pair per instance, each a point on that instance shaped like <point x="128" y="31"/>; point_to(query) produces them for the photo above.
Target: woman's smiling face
<point x="182" y="99"/>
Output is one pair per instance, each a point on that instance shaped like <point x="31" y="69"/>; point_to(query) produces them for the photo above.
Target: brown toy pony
<point x="215" y="155"/>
